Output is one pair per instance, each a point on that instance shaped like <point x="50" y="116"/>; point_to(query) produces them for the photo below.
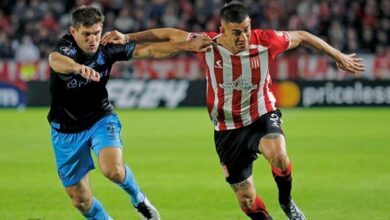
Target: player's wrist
<point x="186" y="46"/>
<point x="77" y="68"/>
<point x="337" y="55"/>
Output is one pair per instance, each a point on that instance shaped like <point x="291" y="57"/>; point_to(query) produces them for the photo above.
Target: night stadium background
<point x="336" y="124"/>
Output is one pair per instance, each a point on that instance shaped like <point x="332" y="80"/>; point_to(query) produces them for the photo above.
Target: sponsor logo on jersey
<point x="78" y="83"/>
<point x="218" y="64"/>
<point x="100" y="59"/>
<point x="69" y="51"/>
<point x="238" y="84"/>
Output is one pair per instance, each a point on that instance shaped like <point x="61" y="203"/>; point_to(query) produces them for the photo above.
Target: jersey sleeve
<point x="120" y="52"/>
<point x="66" y="46"/>
<point x="276" y="41"/>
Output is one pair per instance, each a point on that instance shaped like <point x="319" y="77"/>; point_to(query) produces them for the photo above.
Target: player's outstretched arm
<point x="346" y="62"/>
<point x="168" y="49"/>
<point x="66" y="65"/>
<point x="152" y="35"/>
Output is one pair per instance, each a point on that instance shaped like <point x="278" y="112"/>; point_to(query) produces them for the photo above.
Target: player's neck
<point x="228" y="45"/>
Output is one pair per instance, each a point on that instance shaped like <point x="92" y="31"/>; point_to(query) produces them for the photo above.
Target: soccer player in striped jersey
<point x="240" y="102"/>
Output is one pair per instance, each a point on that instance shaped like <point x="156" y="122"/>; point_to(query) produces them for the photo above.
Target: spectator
<point x="27" y="51"/>
<point x="124" y="21"/>
<point x="365" y="22"/>
<point x="5" y="46"/>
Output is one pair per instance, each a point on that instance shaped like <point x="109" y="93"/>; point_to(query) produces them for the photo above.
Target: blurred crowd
<point x="29" y="28"/>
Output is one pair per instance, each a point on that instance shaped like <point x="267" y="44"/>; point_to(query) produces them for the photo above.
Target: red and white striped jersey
<point x="238" y="85"/>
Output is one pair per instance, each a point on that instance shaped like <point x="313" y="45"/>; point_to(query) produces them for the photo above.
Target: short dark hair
<point x="234" y="12"/>
<point x="86" y="16"/>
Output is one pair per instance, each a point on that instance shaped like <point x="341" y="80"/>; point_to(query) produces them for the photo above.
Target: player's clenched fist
<point x="200" y="43"/>
<point x="114" y="37"/>
<point x="88" y="73"/>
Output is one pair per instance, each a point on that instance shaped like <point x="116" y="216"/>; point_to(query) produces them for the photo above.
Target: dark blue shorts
<point x="73" y="151"/>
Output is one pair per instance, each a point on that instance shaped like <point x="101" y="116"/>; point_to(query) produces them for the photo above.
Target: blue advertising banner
<point x="11" y="96"/>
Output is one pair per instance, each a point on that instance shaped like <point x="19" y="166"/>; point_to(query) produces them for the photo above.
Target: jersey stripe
<point x="228" y="78"/>
<point x="236" y="102"/>
<point x="246" y="93"/>
<point x="263" y="75"/>
<point x="255" y="71"/>
<point x="219" y="79"/>
<point x="270" y="97"/>
<point x="212" y="102"/>
<point x="210" y="96"/>
<point x="267" y="90"/>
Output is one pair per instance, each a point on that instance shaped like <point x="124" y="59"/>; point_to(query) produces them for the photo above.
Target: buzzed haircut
<point x="86" y="16"/>
<point x="234" y="12"/>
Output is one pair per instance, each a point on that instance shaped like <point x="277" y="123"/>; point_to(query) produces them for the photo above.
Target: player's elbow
<point x="52" y="58"/>
<point x="299" y="38"/>
<point x="177" y="35"/>
<point x="304" y="37"/>
<point x="144" y="52"/>
<point x="158" y="55"/>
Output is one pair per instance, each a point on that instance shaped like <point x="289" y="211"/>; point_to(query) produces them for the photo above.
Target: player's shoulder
<point x="67" y="38"/>
<point x="117" y="52"/>
<point x="111" y="48"/>
<point x="211" y="34"/>
<point x="265" y="33"/>
<point x="67" y="46"/>
<point x="263" y="36"/>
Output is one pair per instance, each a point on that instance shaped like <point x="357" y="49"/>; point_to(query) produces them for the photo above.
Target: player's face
<point x="88" y="38"/>
<point x="238" y="34"/>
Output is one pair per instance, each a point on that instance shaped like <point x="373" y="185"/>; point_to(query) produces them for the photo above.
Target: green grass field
<point x="340" y="158"/>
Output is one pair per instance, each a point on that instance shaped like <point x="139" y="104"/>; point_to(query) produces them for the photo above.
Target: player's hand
<point x="200" y="43"/>
<point x="88" y="73"/>
<point x="350" y="63"/>
<point x="114" y="37"/>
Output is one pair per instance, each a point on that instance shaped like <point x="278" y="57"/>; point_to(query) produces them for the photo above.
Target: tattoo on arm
<point x="244" y="185"/>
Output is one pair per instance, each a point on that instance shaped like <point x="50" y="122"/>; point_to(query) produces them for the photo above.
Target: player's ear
<point x="72" y="30"/>
<point x="221" y="30"/>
